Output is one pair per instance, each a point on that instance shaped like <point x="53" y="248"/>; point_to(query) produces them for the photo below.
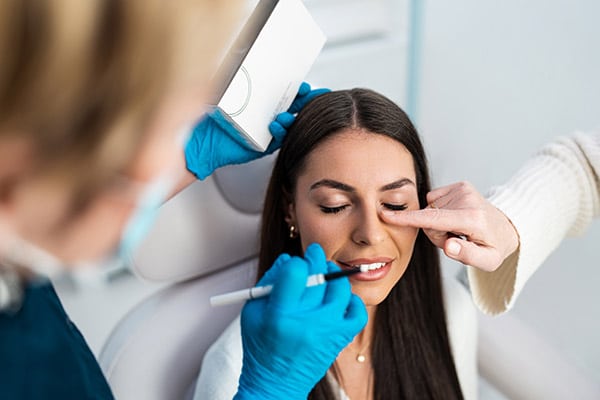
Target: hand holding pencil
<point x="296" y="331"/>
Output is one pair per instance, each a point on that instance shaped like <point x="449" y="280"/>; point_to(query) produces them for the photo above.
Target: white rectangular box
<point x="266" y="65"/>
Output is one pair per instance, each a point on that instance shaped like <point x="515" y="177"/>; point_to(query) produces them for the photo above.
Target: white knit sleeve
<point x="221" y="366"/>
<point x="555" y="194"/>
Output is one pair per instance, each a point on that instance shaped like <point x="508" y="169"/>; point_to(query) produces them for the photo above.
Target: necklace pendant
<point x="361" y="358"/>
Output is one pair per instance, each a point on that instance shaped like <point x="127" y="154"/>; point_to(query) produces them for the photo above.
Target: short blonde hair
<point x="82" y="78"/>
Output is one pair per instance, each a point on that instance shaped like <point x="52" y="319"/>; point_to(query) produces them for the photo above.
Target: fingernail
<point x="453" y="248"/>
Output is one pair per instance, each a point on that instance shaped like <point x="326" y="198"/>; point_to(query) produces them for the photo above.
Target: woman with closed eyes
<point x="350" y="158"/>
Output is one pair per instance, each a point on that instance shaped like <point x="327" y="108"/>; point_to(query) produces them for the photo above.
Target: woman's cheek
<point x="318" y="232"/>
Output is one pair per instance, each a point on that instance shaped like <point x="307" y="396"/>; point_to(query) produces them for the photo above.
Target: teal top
<point x="43" y="355"/>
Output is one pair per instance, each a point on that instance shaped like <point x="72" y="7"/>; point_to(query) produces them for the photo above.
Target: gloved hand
<point x="292" y="337"/>
<point x="215" y="142"/>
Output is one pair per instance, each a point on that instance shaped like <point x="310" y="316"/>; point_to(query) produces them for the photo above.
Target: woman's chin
<point x="370" y="299"/>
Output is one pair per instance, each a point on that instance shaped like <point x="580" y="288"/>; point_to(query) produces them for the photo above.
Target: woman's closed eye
<point x="333" y="210"/>
<point x="337" y="209"/>
<point x="395" y="207"/>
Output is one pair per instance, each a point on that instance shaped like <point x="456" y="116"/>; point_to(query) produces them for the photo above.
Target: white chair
<point x="204" y="243"/>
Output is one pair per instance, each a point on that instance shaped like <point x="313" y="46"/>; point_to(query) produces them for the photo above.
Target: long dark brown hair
<point x="410" y="349"/>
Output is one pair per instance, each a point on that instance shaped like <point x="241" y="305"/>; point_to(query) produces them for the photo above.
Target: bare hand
<point x="461" y="222"/>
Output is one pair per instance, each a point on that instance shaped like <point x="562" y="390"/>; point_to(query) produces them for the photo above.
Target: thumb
<point x="290" y="284"/>
<point x="271" y="275"/>
<point x="315" y="256"/>
<point x="479" y="256"/>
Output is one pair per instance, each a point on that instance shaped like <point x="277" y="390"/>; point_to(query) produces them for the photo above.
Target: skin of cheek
<point x="97" y="231"/>
<point x="85" y="236"/>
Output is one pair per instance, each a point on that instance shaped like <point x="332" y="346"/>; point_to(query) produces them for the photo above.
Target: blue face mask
<point x="144" y="215"/>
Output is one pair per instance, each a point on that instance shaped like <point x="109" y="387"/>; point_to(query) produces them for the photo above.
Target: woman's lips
<point x="379" y="268"/>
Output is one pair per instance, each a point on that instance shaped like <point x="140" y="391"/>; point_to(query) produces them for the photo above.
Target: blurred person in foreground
<point x="95" y="99"/>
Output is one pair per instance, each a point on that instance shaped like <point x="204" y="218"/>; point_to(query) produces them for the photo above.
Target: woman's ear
<point x="290" y="214"/>
<point x="288" y="207"/>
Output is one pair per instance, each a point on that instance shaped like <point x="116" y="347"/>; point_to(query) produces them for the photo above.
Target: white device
<point x="265" y="67"/>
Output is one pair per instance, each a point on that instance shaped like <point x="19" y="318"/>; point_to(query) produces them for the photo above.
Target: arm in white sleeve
<point x="555" y="194"/>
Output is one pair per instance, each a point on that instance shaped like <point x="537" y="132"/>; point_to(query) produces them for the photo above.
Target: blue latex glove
<point x="215" y="142"/>
<point x="292" y="337"/>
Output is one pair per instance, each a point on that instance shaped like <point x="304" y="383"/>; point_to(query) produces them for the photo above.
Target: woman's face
<point x="347" y="181"/>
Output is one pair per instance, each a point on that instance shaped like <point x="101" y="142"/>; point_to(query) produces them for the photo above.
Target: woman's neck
<point x="365" y="337"/>
<point x="353" y="368"/>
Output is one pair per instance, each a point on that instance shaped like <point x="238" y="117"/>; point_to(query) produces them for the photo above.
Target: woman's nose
<point x="369" y="229"/>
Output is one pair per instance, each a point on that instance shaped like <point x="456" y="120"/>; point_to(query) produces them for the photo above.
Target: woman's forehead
<point x="360" y="156"/>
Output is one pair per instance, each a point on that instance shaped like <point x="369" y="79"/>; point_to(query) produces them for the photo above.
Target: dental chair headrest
<point x="244" y="186"/>
<point x="207" y="227"/>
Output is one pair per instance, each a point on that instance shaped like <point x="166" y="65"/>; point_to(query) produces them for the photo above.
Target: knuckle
<point x="465" y="187"/>
<point x="477" y="215"/>
<point x="430" y="197"/>
<point x="436" y="214"/>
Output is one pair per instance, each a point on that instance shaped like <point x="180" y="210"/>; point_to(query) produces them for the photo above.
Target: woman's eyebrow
<point x="397" y="184"/>
<point x="330" y="183"/>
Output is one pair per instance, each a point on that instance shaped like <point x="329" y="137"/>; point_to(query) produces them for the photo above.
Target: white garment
<point x="555" y="194"/>
<point x="222" y="363"/>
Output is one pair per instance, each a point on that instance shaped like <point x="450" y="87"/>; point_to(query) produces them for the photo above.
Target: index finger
<point x="437" y="219"/>
<point x="315" y="256"/>
<point x="304" y="98"/>
<point x="453" y="188"/>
